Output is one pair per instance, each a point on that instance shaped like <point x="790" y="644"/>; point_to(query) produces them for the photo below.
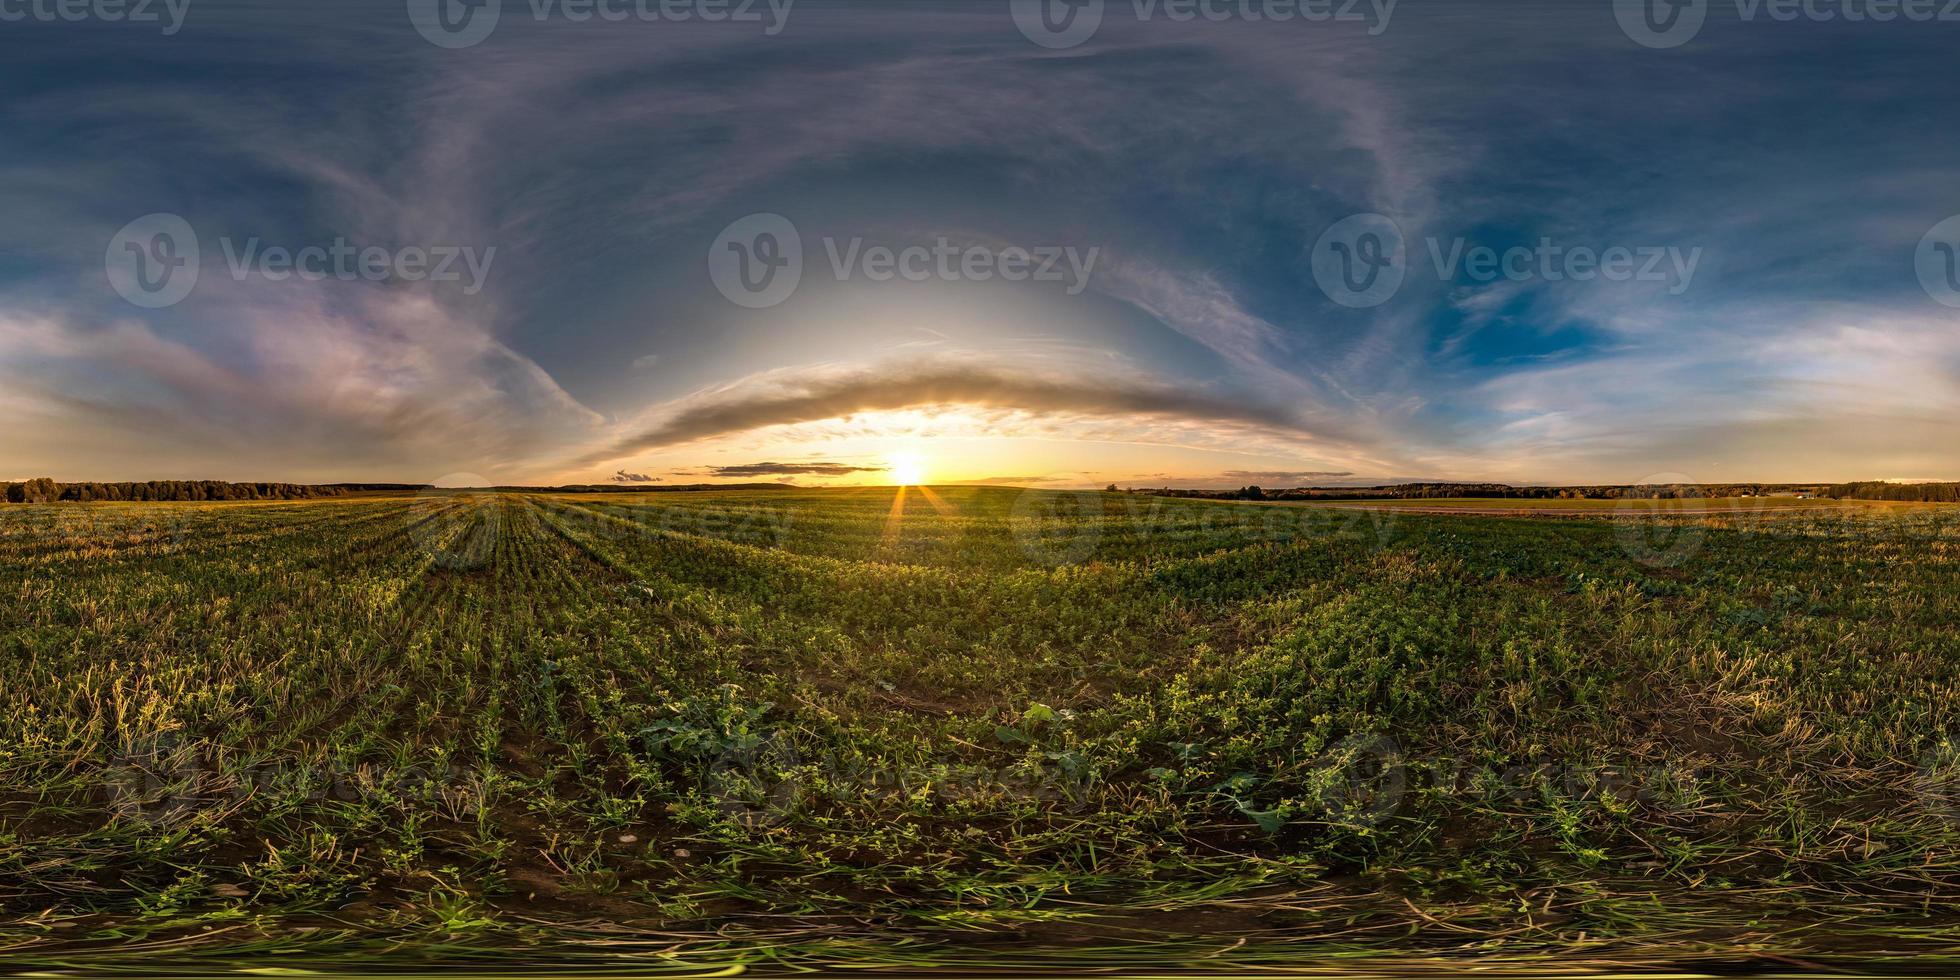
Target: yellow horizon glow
<point x="962" y="446"/>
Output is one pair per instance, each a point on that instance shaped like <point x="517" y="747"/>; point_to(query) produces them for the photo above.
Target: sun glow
<point x="907" y="469"/>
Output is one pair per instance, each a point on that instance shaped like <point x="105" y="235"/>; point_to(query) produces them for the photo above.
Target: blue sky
<point x="1770" y="182"/>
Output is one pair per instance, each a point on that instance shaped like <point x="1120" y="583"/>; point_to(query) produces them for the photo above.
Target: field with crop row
<point x="842" y="725"/>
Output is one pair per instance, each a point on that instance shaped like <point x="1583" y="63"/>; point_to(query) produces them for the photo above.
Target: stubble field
<point x="972" y="726"/>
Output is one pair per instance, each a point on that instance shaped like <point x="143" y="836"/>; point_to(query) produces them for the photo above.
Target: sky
<point x="1141" y="242"/>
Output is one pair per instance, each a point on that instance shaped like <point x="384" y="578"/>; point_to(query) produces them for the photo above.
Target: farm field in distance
<point x="955" y="726"/>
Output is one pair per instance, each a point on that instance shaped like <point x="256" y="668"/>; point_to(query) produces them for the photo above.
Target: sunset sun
<point x="908" y="469"/>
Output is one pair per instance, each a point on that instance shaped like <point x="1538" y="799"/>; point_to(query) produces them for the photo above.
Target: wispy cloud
<point x="1285" y="476"/>
<point x="392" y="383"/>
<point x="602" y="159"/>
<point x="806" y="395"/>
<point x="792" y="469"/>
<point x="1011" y="481"/>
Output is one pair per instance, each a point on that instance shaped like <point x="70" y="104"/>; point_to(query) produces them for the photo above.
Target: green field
<point x="1740" y="506"/>
<point x="985" y="726"/>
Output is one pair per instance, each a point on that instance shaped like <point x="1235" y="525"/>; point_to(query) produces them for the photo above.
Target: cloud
<point x="624" y="477"/>
<point x="788" y="397"/>
<point x="1213" y="157"/>
<point x="792" y="469"/>
<point x="1009" y="481"/>
<point x="389" y="383"/>
<point x="1285" y="476"/>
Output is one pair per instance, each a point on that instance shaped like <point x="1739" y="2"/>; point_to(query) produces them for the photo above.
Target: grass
<point x="972" y="726"/>
<point x="1741" y="506"/>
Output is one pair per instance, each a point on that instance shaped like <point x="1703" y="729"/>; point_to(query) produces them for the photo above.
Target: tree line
<point x="46" y="491"/>
<point x="1947" y="493"/>
<point x="1419" y="491"/>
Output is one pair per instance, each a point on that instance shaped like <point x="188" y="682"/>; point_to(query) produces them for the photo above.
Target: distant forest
<point x="1419" y="491"/>
<point x="1947" y="493"/>
<point x="1868" y="490"/>
<point x="47" y="491"/>
<point x="44" y="491"/>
